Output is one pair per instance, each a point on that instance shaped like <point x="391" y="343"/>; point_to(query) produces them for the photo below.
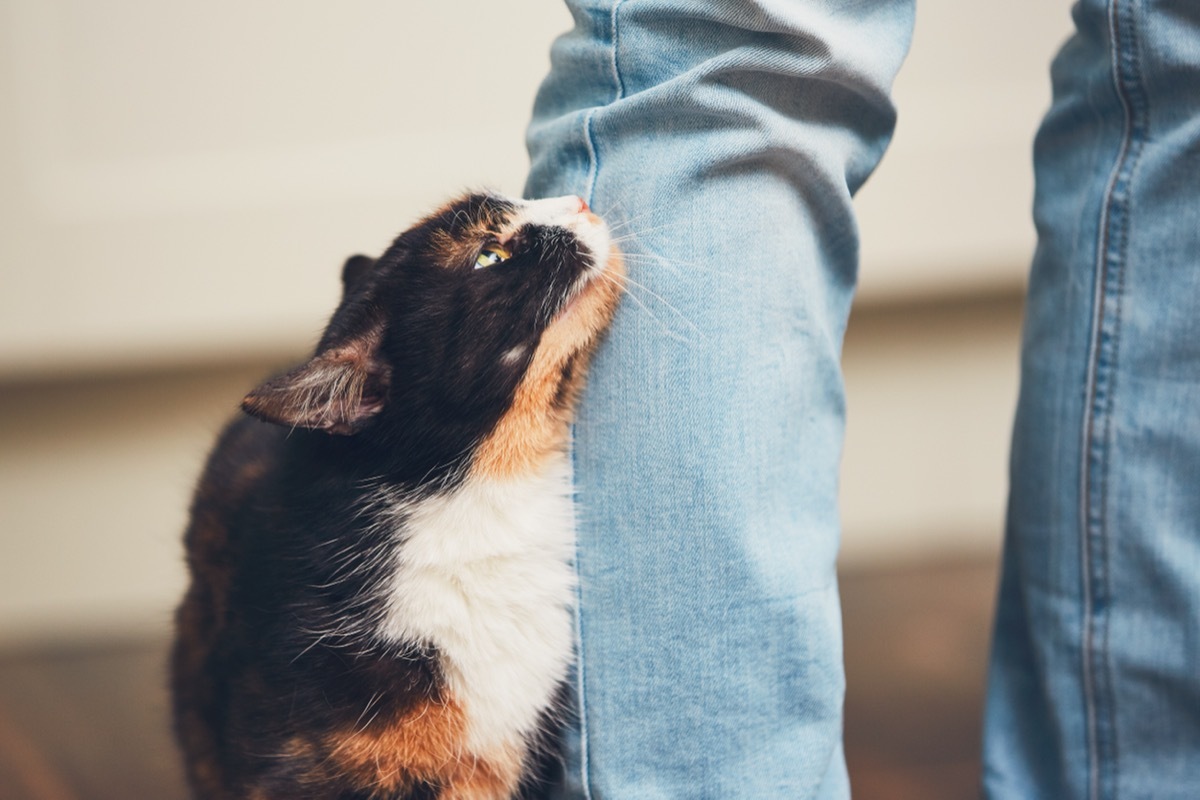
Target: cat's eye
<point x="490" y="256"/>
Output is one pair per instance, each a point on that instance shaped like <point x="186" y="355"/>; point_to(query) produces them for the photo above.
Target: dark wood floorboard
<point x="916" y="663"/>
<point x="90" y="722"/>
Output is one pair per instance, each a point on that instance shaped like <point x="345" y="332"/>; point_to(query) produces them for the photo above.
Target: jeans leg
<point x="1095" y="681"/>
<point x="724" y="140"/>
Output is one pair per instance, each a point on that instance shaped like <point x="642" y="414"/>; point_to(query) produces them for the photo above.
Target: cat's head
<point x="470" y="333"/>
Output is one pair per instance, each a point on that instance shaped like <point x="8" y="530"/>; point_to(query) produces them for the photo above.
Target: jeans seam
<point x="616" y="66"/>
<point x="1112" y="247"/>
<point x="618" y="93"/>
<point x="590" y="192"/>
<point x="593" y="158"/>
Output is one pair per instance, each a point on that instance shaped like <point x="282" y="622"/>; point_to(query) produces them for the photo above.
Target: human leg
<point x="730" y="138"/>
<point x="1095" y="683"/>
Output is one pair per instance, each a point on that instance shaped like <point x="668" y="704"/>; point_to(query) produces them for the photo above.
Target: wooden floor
<point x="90" y="722"/>
<point x="916" y="662"/>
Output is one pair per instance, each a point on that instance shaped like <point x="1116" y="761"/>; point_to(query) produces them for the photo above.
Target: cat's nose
<point x="583" y="206"/>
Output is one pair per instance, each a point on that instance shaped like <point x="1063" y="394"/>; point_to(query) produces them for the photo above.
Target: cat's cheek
<point x="589" y="313"/>
<point x="594" y="235"/>
<point x="570" y="307"/>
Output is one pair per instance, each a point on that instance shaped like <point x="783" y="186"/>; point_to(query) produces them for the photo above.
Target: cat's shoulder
<point x="245" y="451"/>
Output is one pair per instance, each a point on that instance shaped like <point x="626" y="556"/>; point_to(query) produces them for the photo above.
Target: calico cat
<point x="380" y="598"/>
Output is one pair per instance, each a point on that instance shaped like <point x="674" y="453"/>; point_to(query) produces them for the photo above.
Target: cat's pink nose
<point x="583" y="206"/>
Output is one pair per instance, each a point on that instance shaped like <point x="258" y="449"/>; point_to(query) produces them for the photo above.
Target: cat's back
<point x="241" y="462"/>
<point x="244" y="457"/>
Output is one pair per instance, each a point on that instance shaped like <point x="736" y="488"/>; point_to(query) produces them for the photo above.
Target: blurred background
<point x="180" y="183"/>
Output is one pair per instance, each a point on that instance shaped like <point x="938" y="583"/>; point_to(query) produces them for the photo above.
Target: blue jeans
<point x="724" y="142"/>
<point x="1095" y="680"/>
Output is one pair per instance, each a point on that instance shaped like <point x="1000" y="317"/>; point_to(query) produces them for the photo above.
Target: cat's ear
<point x="337" y="391"/>
<point x="353" y="270"/>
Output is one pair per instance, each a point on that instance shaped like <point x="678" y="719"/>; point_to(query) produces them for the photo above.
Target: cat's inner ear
<point x="337" y="391"/>
<point x="353" y="270"/>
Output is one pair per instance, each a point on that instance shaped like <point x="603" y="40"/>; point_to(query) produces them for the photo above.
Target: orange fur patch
<point x="536" y="424"/>
<point x="426" y="744"/>
<point x="484" y="779"/>
<point x="453" y="251"/>
<point x="420" y="744"/>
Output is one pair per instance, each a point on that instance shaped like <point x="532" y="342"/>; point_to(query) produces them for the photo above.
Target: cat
<point x="381" y="594"/>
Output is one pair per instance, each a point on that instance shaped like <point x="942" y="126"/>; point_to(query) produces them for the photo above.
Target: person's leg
<point x="730" y="136"/>
<point x="1095" y="682"/>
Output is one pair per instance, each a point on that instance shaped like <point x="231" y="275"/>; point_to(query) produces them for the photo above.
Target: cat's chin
<point x="593" y="233"/>
<point x="591" y="281"/>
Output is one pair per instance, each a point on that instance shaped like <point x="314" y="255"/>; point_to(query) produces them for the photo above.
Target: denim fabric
<point x="1095" y="681"/>
<point x="725" y="140"/>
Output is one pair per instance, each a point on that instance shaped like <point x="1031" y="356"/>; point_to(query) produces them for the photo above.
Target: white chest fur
<point x="483" y="575"/>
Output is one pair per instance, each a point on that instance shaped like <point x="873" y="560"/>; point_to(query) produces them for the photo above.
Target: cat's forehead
<point x="454" y="235"/>
<point x="475" y="215"/>
<point x="455" y="231"/>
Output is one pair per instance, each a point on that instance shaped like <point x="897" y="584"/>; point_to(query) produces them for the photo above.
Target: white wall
<point x="180" y="181"/>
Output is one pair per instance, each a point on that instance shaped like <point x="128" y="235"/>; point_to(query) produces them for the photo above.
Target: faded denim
<point x="1095" y="682"/>
<point x="725" y="140"/>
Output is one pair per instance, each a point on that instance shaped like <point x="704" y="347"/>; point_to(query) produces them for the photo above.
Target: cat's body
<point x="381" y="599"/>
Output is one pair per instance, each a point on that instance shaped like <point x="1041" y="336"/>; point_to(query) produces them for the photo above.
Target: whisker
<point x="630" y="281"/>
<point x="665" y="328"/>
<point x="643" y="231"/>
<point x="376" y="697"/>
<point x="677" y="267"/>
